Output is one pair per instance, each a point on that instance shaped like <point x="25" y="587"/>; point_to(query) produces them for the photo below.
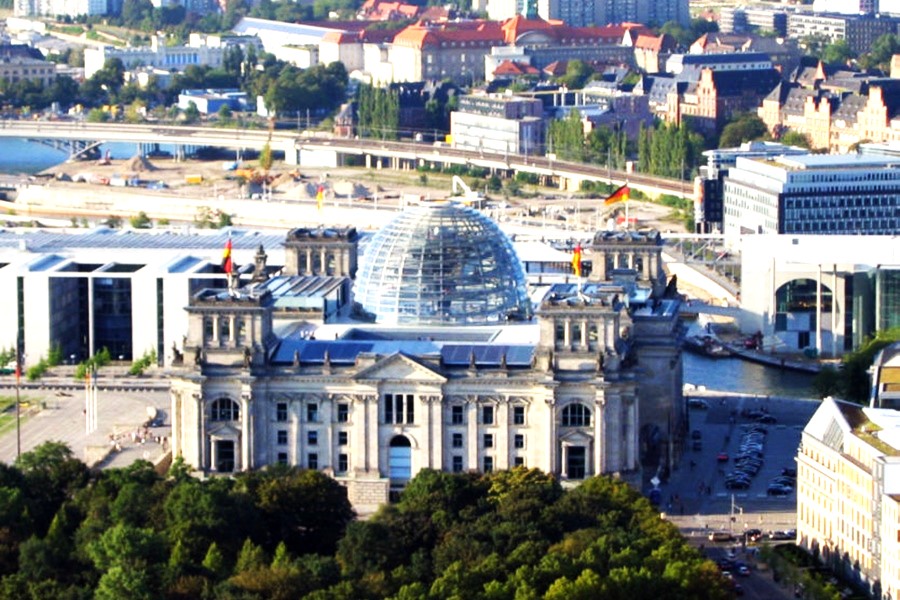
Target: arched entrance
<point x="400" y="459"/>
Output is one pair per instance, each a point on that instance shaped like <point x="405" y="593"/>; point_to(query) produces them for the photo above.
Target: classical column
<point x="201" y="441"/>
<point x="231" y="329"/>
<point x="567" y="333"/>
<point x="502" y="439"/>
<point x="215" y="329"/>
<point x="245" y="432"/>
<point x="472" y="433"/>
<point x="552" y="439"/>
<point x="599" y="436"/>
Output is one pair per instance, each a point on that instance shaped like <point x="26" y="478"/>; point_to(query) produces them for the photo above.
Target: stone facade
<point x="372" y="413"/>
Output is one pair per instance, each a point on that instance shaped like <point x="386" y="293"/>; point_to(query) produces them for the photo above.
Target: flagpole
<point x="18" y="408"/>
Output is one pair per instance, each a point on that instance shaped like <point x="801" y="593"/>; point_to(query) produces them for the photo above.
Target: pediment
<point x="576" y="438"/>
<point x="223" y="430"/>
<point x="399" y="367"/>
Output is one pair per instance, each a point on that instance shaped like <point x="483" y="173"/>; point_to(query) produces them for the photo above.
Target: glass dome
<point x="441" y="263"/>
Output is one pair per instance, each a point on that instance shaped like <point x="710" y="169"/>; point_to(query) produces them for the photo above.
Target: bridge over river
<point x="322" y="149"/>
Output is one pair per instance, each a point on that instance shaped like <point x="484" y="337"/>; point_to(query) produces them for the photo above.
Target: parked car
<point x="737" y="484"/>
<point x="778" y="490"/>
<point x="721" y="536"/>
<point x="698" y="403"/>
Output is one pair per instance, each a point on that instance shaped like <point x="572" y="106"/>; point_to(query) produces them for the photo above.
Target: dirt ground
<point x="180" y="178"/>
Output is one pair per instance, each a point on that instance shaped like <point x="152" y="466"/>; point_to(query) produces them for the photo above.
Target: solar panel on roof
<point x="456" y="355"/>
<point x="519" y="356"/>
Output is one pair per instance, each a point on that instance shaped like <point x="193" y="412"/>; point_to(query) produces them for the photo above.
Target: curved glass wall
<point x="438" y="262"/>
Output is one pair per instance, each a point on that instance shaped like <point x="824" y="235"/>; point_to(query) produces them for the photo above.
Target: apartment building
<point x="848" y="483"/>
<point x="19" y="62"/>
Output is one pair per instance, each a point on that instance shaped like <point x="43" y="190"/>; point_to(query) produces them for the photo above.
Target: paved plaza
<point x="58" y="414"/>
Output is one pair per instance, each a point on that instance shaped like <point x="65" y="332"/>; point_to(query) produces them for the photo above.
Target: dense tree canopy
<point x="743" y="128"/>
<point x="669" y="150"/>
<point x="289" y="533"/>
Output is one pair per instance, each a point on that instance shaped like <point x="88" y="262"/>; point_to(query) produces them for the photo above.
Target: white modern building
<point x="498" y="123"/>
<point x="57" y="8"/>
<point x="848" y="483"/>
<point x="819" y="291"/>
<point x="812" y="194"/>
<point x="201" y="50"/>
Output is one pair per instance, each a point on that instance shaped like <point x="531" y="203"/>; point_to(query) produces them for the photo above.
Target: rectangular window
<point x="519" y="461"/>
<point x="343" y="412"/>
<point x="312" y="461"/>
<point x="312" y="438"/>
<point x="487" y="415"/>
<point x="282" y="437"/>
<point x="281" y="412"/>
<point x="457" y="464"/>
<point x="518" y="415"/>
<point x="343" y="463"/>
<point x="488" y="464"/>
<point x="488" y="440"/>
<point x="520" y="440"/>
<point x="457" y="416"/>
<point x="342" y="438"/>
<point x="282" y="458"/>
<point x="399" y="408"/>
<point x="312" y="412"/>
<point x="457" y="440"/>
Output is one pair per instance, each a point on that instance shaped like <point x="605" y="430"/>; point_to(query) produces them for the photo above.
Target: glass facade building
<point x="438" y="263"/>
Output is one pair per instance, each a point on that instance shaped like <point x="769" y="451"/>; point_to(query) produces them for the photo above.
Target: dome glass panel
<point x="439" y="262"/>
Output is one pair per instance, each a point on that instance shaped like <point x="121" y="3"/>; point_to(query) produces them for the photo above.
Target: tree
<point x="795" y="138"/>
<point x="191" y="113"/>
<point x="743" y="128"/>
<point x="566" y="137"/>
<point x="879" y="57"/>
<point x="577" y="74"/>
<point x="265" y="157"/>
<point x="837" y="52"/>
<point x="140" y="221"/>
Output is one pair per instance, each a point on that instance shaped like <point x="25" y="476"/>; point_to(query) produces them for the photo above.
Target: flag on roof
<point x="227" y="264"/>
<point x="576" y="261"/>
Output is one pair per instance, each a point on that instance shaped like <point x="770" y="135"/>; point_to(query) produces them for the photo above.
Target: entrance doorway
<point x="576" y="462"/>
<point x="400" y="459"/>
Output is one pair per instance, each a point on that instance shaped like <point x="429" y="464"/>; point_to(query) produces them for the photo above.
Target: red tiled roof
<point x="556" y="68"/>
<point x="508" y="67"/>
<point x="419" y="35"/>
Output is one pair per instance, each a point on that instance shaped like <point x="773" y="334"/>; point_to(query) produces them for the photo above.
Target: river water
<point x="22" y="156"/>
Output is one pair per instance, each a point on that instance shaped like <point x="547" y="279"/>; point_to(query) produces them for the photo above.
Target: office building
<point x="859" y="31"/>
<point x="20" y="63"/>
<point x="813" y="194"/>
<point x="829" y="293"/>
<point x="709" y="186"/>
<point x="498" y="123"/>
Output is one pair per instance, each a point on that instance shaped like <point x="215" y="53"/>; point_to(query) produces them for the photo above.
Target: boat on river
<point x="707" y="345"/>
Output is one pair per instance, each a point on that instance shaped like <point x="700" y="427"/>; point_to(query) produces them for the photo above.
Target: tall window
<point x="399" y="408"/>
<point x="519" y="440"/>
<point x="312" y="461"/>
<point x="312" y="438"/>
<point x="518" y="415"/>
<point x="457" y="463"/>
<point x="343" y="462"/>
<point x="457" y="414"/>
<point x="488" y="464"/>
<point x="342" y="438"/>
<point x="282" y="458"/>
<point x="488" y="440"/>
<point x="487" y="415"/>
<point x="343" y="412"/>
<point x="576" y="415"/>
<point x="457" y="440"/>
<point x="281" y="411"/>
<point x="282" y="437"/>
<point x="224" y="409"/>
<point x="312" y="412"/>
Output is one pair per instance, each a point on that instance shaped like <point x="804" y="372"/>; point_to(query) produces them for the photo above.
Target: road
<point x="697" y="514"/>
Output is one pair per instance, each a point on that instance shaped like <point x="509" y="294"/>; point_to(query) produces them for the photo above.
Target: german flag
<point x="576" y="261"/>
<point x="620" y="195"/>
<point x="227" y="264"/>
